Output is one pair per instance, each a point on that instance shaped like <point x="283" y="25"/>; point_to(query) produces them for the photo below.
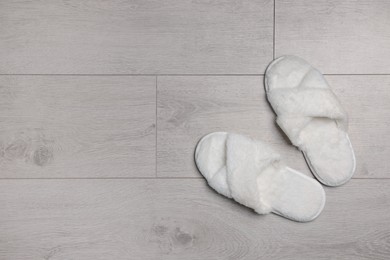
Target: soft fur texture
<point x="252" y="174"/>
<point x="312" y="117"/>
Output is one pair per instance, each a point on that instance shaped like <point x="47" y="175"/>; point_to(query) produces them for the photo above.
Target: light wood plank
<point x="190" y="107"/>
<point x="182" y="219"/>
<point x="339" y="37"/>
<point x="367" y="101"/>
<point x="69" y="126"/>
<point x="136" y="36"/>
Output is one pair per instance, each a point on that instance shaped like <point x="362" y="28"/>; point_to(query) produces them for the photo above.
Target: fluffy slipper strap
<point x="296" y="107"/>
<point x="246" y="159"/>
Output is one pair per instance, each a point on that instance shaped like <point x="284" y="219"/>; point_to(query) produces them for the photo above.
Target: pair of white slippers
<point x="253" y="174"/>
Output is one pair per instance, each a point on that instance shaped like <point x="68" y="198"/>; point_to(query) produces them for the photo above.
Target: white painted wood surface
<point x="338" y="37"/>
<point x="77" y="127"/>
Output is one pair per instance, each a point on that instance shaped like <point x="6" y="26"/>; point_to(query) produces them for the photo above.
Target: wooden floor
<point x="102" y="104"/>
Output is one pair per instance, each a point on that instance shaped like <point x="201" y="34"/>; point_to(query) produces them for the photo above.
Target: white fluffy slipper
<point x="252" y="174"/>
<point x="312" y="117"/>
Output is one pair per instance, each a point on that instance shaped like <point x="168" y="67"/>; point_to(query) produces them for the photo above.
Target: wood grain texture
<point x="136" y="36"/>
<point x="66" y="126"/>
<point x="182" y="219"/>
<point x="191" y="107"/>
<point x="367" y="101"/>
<point x="339" y="37"/>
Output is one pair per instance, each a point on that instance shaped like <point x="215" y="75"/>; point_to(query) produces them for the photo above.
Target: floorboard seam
<point x="145" y="178"/>
<point x="156" y="175"/>
<point x="109" y="178"/>
<point x="139" y="75"/>
<point x="273" y="50"/>
<point x="184" y="75"/>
